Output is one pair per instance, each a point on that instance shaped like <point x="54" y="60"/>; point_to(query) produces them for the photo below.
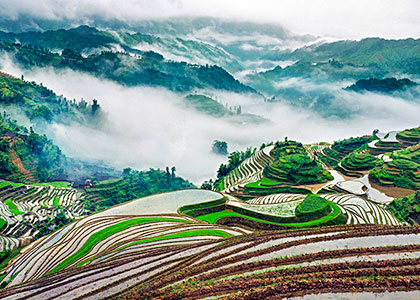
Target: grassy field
<point x="105" y="233"/>
<point x="190" y="233"/>
<point x="4" y="184"/>
<point x="56" y="184"/>
<point x="13" y="208"/>
<point x="56" y="202"/>
<point x="2" y="223"/>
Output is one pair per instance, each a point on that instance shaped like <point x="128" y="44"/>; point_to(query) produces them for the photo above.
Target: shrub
<point x="313" y="206"/>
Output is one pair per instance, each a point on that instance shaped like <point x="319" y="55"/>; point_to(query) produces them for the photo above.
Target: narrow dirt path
<point x="19" y="164"/>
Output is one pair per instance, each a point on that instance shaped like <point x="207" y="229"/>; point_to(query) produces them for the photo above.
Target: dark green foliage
<point x="195" y="210"/>
<point x="360" y="161"/>
<point x="351" y="144"/>
<point x="207" y="185"/>
<point x="49" y="225"/>
<point x="406" y="209"/>
<point x="48" y="157"/>
<point x="412" y="135"/>
<point x="402" y="171"/>
<point x="220" y="147"/>
<point x="40" y="103"/>
<point x="235" y="159"/>
<point x="75" y="39"/>
<point x="386" y="85"/>
<point x="370" y="57"/>
<point x="134" y="184"/>
<point x="5" y="257"/>
<point x="293" y="166"/>
<point x="150" y="70"/>
<point x="312" y="205"/>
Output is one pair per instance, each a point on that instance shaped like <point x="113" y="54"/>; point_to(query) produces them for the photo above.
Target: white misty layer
<point x="149" y="127"/>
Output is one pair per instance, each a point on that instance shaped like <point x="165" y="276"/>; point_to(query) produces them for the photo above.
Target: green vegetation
<point x="49" y="225"/>
<point x="215" y="216"/>
<point x="12" y="207"/>
<point x="235" y="159"/>
<point x="41" y="103"/>
<point x="410" y="135"/>
<point x="340" y="149"/>
<point x="56" y="202"/>
<point x="293" y="166"/>
<point x="220" y="147"/>
<point x="207" y="105"/>
<point x="351" y="144"/>
<point x="77" y="39"/>
<point x="26" y="156"/>
<point x="350" y="60"/>
<point x="4" y="184"/>
<point x="386" y="85"/>
<point x="198" y="209"/>
<point x="181" y="234"/>
<point x="312" y="205"/>
<point x="6" y="256"/>
<point x="134" y="184"/>
<point x="406" y="209"/>
<point x="360" y="161"/>
<point x="56" y="184"/>
<point x="107" y="232"/>
<point x="402" y="171"/>
<point x="255" y="189"/>
<point x="2" y="223"/>
<point x="150" y="70"/>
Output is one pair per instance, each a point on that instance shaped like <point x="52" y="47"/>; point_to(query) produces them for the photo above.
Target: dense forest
<point x="134" y="184"/>
<point x="39" y="103"/>
<point x="386" y="85"/>
<point x="149" y="68"/>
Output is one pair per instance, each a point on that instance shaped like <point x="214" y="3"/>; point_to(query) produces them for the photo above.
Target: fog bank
<point x="149" y="127"/>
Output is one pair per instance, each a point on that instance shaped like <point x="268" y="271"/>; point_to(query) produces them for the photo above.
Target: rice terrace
<point x="241" y="149"/>
<point x="268" y="228"/>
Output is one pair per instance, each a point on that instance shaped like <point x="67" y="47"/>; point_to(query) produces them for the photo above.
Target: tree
<point x="207" y="185"/>
<point x="168" y="176"/>
<point x="95" y="107"/>
<point x="126" y="172"/>
<point x="173" y="169"/>
<point x="220" y="147"/>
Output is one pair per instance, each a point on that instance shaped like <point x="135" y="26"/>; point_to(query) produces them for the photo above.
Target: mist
<point x="152" y="128"/>
<point x="341" y="19"/>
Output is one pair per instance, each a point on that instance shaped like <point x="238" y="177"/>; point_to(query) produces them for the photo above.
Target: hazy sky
<point x="339" y="19"/>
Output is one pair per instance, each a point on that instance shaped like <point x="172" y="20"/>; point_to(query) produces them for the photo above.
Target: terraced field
<point x="229" y="265"/>
<point x="358" y="210"/>
<point x="409" y="137"/>
<point x="402" y="170"/>
<point x="24" y="206"/>
<point x="248" y="171"/>
<point x="249" y="241"/>
<point x="115" y="235"/>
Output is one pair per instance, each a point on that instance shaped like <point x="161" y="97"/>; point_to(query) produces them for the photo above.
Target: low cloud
<point x="149" y="127"/>
<point x="341" y="19"/>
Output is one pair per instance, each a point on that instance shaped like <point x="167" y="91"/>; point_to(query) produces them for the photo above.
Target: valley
<point x="177" y="150"/>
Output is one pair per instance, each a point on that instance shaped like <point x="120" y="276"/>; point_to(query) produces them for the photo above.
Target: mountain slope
<point x="150" y="69"/>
